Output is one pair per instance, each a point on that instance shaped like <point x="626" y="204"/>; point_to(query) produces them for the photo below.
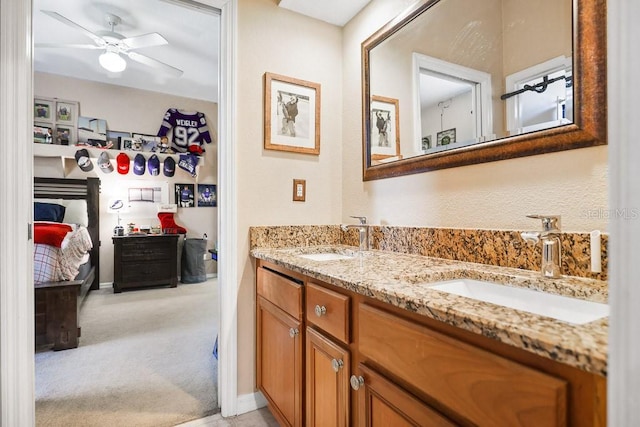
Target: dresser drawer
<point x="484" y="388"/>
<point x="147" y="272"/>
<point x="151" y="249"/>
<point x="281" y="291"/>
<point x="328" y="310"/>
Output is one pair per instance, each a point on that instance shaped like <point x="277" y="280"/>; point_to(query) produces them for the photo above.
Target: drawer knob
<point x="337" y="364"/>
<point x="356" y="382"/>
<point x="294" y="332"/>
<point x="320" y="310"/>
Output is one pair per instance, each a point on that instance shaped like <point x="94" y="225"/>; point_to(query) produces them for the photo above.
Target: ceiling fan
<point x="115" y="45"/>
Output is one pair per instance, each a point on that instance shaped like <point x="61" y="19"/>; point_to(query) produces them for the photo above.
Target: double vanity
<point x="346" y="337"/>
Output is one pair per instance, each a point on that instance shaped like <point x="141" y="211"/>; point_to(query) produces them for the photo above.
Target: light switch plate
<point x="299" y="190"/>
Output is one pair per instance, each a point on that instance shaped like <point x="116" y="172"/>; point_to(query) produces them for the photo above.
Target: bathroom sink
<point x="571" y="310"/>
<point x="325" y="256"/>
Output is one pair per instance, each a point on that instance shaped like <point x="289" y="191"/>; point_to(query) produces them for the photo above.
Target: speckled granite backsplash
<point x="494" y="247"/>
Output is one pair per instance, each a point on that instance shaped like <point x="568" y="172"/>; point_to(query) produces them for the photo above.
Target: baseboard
<point x="109" y="285"/>
<point x="250" y="402"/>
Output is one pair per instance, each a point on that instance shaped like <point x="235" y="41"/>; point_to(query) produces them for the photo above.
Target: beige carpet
<point x="145" y="359"/>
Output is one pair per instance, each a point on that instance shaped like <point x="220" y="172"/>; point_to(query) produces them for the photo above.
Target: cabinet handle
<point x="336" y="364"/>
<point x="356" y="382"/>
<point x="294" y="332"/>
<point x="320" y="310"/>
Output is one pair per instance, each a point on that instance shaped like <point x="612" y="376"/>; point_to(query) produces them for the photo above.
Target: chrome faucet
<point x="551" y="246"/>
<point x="363" y="229"/>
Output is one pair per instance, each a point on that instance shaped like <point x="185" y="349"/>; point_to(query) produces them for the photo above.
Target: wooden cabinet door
<point x="382" y="403"/>
<point x="327" y="382"/>
<point x="279" y="362"/>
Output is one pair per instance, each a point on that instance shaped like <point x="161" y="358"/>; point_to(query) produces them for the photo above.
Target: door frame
<point x="17" y="366"/>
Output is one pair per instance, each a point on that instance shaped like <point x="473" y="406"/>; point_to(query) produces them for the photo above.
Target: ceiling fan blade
<point x="143" y="59"/>
<point x="55" y="15"/>
<point x="145" y="40"/>
<point x="75" y="46"/>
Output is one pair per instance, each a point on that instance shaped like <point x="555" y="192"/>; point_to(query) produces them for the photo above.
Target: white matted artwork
<point x="291" y="114"/>
<point x="385" y="133"/>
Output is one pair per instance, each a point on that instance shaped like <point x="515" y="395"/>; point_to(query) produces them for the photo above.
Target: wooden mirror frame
<point x="589" y="127"/>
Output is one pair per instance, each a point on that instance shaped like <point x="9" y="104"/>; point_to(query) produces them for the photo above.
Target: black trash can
<point x="192" y="265"/>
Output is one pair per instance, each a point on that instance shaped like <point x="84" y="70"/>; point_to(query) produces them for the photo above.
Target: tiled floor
<point x="260" y="418"/>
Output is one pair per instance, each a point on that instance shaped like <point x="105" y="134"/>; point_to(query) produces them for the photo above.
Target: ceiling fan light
<point x="112" y="62"/>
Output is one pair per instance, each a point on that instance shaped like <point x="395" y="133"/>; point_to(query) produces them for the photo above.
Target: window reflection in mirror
<point x="466" y="72"/>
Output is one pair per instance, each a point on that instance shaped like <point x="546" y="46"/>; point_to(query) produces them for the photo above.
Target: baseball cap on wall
<point x="105" y="163"/>
<point x="84" y="162"/>
<point x="138" y="164"/>
<point x="169" y="168"/>
<point x="123" y="163"/>
<point x="153" y="165"/>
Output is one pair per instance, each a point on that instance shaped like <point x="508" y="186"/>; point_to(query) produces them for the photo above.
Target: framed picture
<point x="291" y="114"/>
<point x="66" y="112"/>
<point x="114" y="137"/>
<point x="207" y="195"/>
<point x="148" y="143"/>
<point x="184" y="195"/>
<point x="92" y="131"/>
<point x="43" y="110"/>
<point x="42" y="134"/>
<point x="385" y="132"/>
<point x="65" y="135"/>
<point x="446" y="137"/>
<point x="129" y="144"/>
<point x="427" y="143"/>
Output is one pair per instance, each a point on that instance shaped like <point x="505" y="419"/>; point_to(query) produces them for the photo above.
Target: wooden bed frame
<point x="57" y="304"/>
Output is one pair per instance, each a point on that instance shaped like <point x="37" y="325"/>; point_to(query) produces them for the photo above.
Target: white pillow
<point x="75" y="210"/>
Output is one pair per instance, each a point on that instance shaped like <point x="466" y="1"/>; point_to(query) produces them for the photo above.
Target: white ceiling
<point x="337" y="12"/>
<point x="193" y="37"/>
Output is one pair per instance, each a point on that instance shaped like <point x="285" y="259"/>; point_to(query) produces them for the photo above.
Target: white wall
<point x="279" y="41"/>
<point x="494" y="195"/>
<point x="139" y="111"/>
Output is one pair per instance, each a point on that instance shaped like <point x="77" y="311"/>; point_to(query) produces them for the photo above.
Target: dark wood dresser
<point x="145" y="260"/>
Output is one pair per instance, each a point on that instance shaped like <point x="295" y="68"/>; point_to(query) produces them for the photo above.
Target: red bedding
<point x="50" y="233"/>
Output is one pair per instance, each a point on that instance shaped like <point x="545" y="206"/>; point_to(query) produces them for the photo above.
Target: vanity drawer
<point x="328" y="310"/>
<point x="479" y="386"/>
<point x="281" y="291"/>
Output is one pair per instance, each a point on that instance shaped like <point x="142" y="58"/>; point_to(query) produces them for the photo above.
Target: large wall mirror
<point x="457" y="82"/>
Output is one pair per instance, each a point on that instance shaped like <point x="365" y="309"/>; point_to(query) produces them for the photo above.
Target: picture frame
<point x="42" y="133"/>
<point x="291" y="114"/>
<point x="184" y="195"/>
<point x="385" y="131"/>
<point x="43" y="110"/>
<point x="207" y="196"/>
<point x="66" y="112"/>
<point x="127" y="143"/>
<point x="65" y="135"/>
<point x="115" y="137"/>
<point x="92" y="131"/>
<point x="446" y="137"/>
<point x="60" y="116"/>
<point x="426" y="143"/>
<point x="149" y="143"/>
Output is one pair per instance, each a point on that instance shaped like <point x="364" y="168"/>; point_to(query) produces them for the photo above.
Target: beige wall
<point x="141" y="111"/>
<point x="492" y="195"/>
<point x="279" y="41"/>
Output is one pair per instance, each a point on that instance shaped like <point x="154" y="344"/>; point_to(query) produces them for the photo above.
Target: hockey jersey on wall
<point x="189" y="130"/>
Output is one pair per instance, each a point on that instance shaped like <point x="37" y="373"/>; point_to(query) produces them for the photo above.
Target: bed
<point x="58" y="303"/>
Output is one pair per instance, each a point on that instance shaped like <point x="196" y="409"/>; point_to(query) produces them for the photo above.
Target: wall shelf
<point x="66" y="154"/>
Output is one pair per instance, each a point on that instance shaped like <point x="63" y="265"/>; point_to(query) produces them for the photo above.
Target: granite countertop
<point x="403" y="281"/>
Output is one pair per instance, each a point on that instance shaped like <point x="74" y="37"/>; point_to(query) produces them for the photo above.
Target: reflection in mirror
<point x="467" y="72"/>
